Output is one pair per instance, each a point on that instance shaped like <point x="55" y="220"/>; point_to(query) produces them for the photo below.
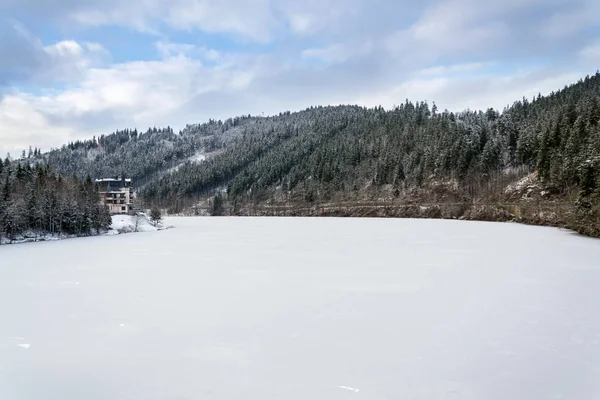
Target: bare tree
<point x="137" y="220"/>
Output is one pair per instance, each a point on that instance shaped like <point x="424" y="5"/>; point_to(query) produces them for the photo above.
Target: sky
<point x="73" y="69"/>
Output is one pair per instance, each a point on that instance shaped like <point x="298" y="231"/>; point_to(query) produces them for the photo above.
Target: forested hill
<point x="345" y="153"/>
<point x="141" y="155"/>
<point x="342" y="149"/>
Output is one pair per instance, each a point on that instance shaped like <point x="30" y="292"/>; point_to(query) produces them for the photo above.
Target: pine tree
<point x="216" y="208"/>
<point x="588" y="179"/>
<point x="155" y="216"/>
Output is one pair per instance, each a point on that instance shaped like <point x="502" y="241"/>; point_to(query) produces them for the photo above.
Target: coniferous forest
<point x="35" y="199"/>
<point x="536" y="161"/>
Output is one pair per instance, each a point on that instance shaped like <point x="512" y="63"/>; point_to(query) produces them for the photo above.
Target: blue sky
<point x="73" y="69"/>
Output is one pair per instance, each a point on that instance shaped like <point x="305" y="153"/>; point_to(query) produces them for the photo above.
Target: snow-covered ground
<point x="33" y="236"/>
<point x="120" y="224"/>
<point x="130" y="223"/>
<point x="276" y="308"/>
<point x="197" y="158"/>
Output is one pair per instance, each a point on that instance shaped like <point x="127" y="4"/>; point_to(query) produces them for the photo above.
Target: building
<point x="116" y="194"/>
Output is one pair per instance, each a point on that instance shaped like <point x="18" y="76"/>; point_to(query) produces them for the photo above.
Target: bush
<point x="155" y="216"/>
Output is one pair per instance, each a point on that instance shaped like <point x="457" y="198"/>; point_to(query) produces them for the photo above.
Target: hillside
<point x="142" y="155"/>
<point x="537" y="161"/>
<point x="370" y="157"/>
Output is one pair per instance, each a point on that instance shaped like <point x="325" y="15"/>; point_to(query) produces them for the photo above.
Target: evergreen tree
<point x="155" y="216"/>
<point x="216" y="208"/>
<point x="36" y="199"/>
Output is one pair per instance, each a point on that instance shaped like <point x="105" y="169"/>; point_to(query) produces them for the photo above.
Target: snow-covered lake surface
<point x="296" y="309"/>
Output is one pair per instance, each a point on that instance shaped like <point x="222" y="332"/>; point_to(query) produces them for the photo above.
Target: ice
<point x="303" y="308"/>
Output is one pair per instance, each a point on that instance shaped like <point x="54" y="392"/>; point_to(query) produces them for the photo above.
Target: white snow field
<point x="127" y="224"/>
<point x="284" y="308"/>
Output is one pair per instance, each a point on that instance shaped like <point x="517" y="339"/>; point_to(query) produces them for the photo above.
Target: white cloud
<point x="301" y="23"/>
<point x="65" y="48"/>
<point x="96" y="48"/>
<point x="167" y="49"/>
<point x="144" y="93"/>
<point x="249" y="19"/>
<point x="458" y="53"/>
<point x="179" y="90"/>
<point x="23" y="125"/>
<point x="32" y="62"/>
<point x="337" y="53"/>
<point x="473" y="92"/>
<point x="446" y="70"/>
<point x="210" y="54"/>
<point x="459" y="25"/>
<point x="591" y="53"/>
<point x="68" y="61"/>
<point x="583" y="14"/>
<point x="253" y="19"/>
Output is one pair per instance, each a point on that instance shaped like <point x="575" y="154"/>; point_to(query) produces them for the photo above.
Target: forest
<point x="413" y="153"/>
<point x="36" y="199"/>
<point x="349" y="154"/>
<point x="335" y="149"/>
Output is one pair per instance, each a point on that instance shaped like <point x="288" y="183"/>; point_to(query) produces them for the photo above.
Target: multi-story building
<point x="116" y="194"/>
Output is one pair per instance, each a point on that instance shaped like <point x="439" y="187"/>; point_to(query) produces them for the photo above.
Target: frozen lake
<point x="297" y="309"/>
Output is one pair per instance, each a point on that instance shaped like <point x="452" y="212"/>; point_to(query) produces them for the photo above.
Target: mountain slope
<point x="413" y="152"/>
<point x="142" y="155"/>
<point x="336" y="149"/>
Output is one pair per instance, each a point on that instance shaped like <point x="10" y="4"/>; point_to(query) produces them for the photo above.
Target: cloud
<point x="167" y="49"/>
<point x="180" y="90"/>
<point x="475" y="92"/>
<point x="338" y="53"/>
<point x="581" y="15"/>
<point x="457" y="69"/>
<point x="24" y="59"/>
<point x="591" y="53"/>
<point x="302" y="23"/>
<point x="216" y="59"/>
<point x="29" y="61"/>
<point x="246" y="20"/>
<point x="140" y="93"/>
<point x="456" y="25"/>
<point x="23" y="125"/>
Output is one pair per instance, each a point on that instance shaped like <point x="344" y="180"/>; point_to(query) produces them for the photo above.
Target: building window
<point x="123" y="208"/>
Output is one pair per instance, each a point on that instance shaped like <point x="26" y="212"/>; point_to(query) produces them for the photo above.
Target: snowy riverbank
<point x="33" y="236"/>
<point x="130" y="224"/>
<point x="120" y="224"/>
